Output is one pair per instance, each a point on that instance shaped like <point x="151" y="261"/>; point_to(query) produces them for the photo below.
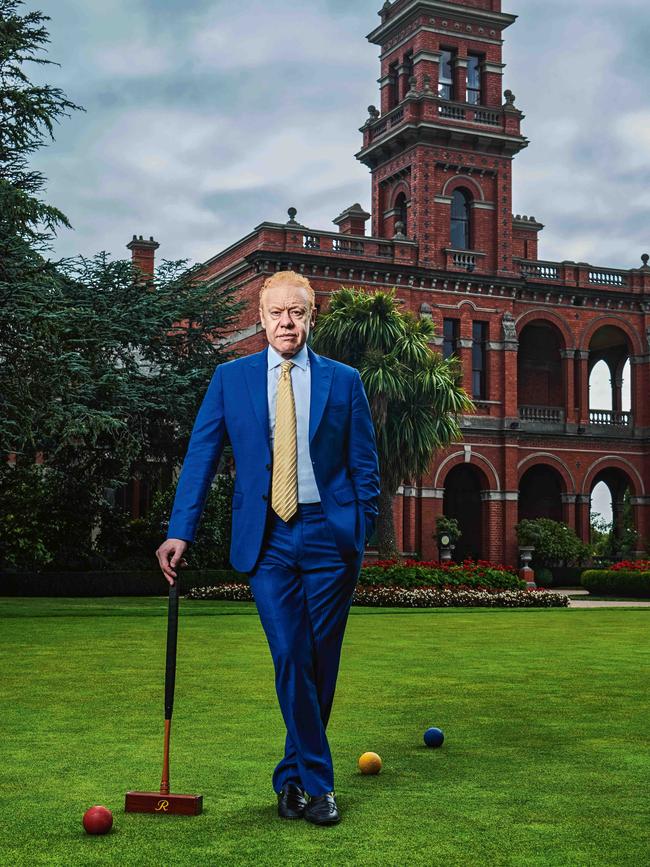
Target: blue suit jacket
<point x="341" y="444"/>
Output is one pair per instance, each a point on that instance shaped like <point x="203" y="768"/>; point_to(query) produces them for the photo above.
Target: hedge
<point x="432" y="573"/>
<point x="408" y="574"/>
<point x="617" y="582"/>
<point x="117" y="583"/>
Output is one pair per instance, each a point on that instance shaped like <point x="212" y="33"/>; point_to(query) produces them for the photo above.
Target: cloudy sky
<point x="205" y="117"/>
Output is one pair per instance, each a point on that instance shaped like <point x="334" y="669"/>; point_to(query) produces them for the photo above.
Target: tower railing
<point x="610" y="417"/>
<point x="414" y="108"/>
<point x="547" y="414"/>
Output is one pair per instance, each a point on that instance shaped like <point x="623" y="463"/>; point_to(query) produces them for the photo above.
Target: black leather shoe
<point x="292" y="801"/>
<point x="322" y="810"/>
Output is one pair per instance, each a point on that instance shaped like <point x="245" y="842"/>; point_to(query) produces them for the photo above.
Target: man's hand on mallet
<point x="170" y="555"/>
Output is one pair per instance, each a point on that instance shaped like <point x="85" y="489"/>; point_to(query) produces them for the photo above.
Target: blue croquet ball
<point x="433" y="737"/>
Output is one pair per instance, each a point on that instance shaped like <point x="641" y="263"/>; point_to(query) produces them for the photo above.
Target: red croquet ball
<point x="98" y="820"/>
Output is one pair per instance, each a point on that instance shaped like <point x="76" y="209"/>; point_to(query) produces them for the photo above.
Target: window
<point x="393" y="85"/>
<point x="450" y="334"/>
<point x="446" y="75"/>
<point x="474" y="79"/>
<point x="400" y="212"/>
<point x="408" y="69"/>
<point x="460" y="234"/>
<point x="479" y="350"/>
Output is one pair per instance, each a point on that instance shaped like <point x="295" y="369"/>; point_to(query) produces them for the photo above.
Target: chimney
<point x="352" y="221"/>
<point x="142" y="254"/>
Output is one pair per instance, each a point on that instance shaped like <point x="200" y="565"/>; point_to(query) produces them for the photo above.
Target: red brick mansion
<point x="440" y="147"/>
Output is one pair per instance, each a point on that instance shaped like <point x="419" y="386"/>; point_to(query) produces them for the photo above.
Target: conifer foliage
<point x="101" y="370"/>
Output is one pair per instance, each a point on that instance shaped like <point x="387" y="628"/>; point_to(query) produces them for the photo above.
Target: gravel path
<point x="598" y="603"/>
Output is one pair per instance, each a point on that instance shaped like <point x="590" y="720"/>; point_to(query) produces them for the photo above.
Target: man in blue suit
<point x="304" y="504"/>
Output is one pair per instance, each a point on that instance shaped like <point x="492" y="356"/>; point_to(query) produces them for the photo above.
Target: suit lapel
<point x="321" y="380"/>
<point x="256" y="373"/>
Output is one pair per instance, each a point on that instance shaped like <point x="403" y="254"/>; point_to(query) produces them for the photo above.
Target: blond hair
<point x="293" y="278"/>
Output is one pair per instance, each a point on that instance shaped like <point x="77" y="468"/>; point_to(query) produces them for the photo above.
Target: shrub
<point x="566" y="576"/>
<point x="617" y="582"/>
<point x="450" y="526"/>
<point x="148" y="582"/>
<point x="126" y="543"/>
<point x="555" y="543"/>
<point x="543" y="576"/>
<point x="432" y="573"/>
<point x="45" y="519"/>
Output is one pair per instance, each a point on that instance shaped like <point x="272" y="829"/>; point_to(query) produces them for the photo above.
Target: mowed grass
<point x="545" y="714"/>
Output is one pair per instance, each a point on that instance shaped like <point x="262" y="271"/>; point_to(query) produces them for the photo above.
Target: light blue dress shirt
<point x="301" y="384"/>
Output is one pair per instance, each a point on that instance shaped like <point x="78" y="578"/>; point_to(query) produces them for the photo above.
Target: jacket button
<point x="268" y="466"/>
<point x="264" y="497"/>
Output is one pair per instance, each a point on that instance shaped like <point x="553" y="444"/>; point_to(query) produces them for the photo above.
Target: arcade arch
<point x="540" y="382"/>
<point x="609" y="373"/>
<point x="464" y="484"/>
<point x="540" y="493"/>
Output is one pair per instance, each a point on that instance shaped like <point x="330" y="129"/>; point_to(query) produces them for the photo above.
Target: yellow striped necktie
<point x="284" y="485"/>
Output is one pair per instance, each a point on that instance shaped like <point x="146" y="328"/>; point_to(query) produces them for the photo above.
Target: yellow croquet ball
<point x="369" y="763"/>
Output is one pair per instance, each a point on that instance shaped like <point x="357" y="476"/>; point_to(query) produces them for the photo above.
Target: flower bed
<point x="631" y="566"/>
<point x="414" y="597"/>
<point x="476" y="574"/>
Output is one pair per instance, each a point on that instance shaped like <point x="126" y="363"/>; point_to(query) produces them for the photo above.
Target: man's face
<point x="286" y="315"/>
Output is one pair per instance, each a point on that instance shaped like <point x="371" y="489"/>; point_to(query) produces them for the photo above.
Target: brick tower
<point x="441" y="150"/>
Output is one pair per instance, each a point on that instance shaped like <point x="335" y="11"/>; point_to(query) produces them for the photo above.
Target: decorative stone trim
<point x="432" y="56"/>
<point x="499" y="496"/>
<point x="423" y="493"/>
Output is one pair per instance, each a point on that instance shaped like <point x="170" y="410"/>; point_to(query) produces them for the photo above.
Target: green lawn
<point x="545" y="714"/>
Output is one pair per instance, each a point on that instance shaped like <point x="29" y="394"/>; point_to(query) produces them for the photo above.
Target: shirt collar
<point x="274" y="359"/>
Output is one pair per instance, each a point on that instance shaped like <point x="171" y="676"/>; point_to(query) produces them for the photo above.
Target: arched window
<point x="393" y="86"/>
<point x="460" y="229"/>
<point x="401" y="212"/>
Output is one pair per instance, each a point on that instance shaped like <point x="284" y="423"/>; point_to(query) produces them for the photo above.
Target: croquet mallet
<point x="163" y="801"/>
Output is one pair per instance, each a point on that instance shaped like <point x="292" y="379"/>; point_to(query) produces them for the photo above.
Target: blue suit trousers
<point x="303" y="590"/>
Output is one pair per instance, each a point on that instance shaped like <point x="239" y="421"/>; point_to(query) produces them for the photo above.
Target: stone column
<point x="492" y="84"/>
<point x="568" y="375"/>
<point x="582" y="527"/>
<point x="465" y="343"/>
<point x="617" y="391"/>
<point x="641" y="511"/>
<point x="569" y="510"/>
<point x="509" y="383"/>
<point x="582" y="361"/>
<point x="431" y="506"/>
<point x="460" y="80"/>
<point x="398" y="519"/>
<point x="403" y="75"/>
<point x="639" y="403"/>
<point x="426" y="66"/>
<point x="409" y="503"/>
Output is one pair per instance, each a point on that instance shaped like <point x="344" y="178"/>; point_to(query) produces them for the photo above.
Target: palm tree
<point x="415" y="395"/>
